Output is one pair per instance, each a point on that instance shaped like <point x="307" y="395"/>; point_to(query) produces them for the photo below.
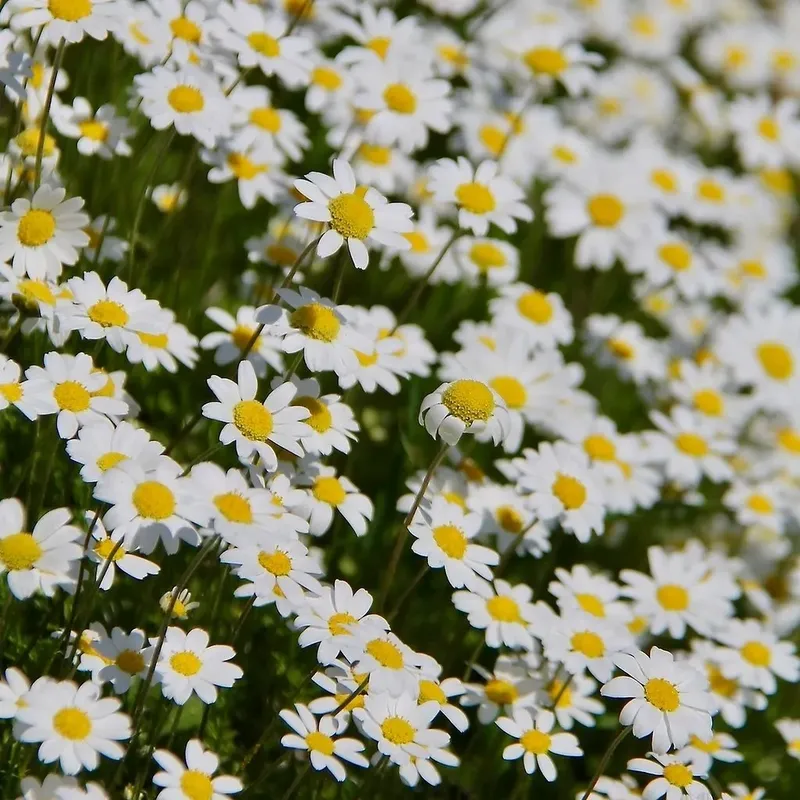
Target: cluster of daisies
<point x="651" y="145"/>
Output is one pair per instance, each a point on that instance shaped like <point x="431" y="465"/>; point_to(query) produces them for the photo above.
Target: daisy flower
<point x="574" y="701"/>
<point x="444" y="539"/>
<point x="74" y="725"/>
<point x="675" y="777"/>
<point x="169" y="198"/>
<point x="122" y="653"/>
<point x="433" y="690"/>
<point x="392" y="666"/>
<point x="187" y="98"/>
<point x="126" y="561"/>
<point x="767" y="134"/>
<point x="99" y="132"/>
<point x="69" y="19"/>
<point x="541" y="317"/>
<point x="670" y="698"/>
<point x="328" y="493"/>
<point x="252" y="425"/>
<point x="509" y="686"/>
<point x="187" y="666"/>
<point x="70" y="387"/>
<point x="13" y="693"/>
<point x="182" y="606"/>
<point x="13" y="391"/>
<point x="704" y="752"/>
<point x="42" y="559"/>
<point x="789" y="729"/>
<point x="536" y="741"/>
<point x="592" y="593"/>
<point x="353" y="214"/>
<point x="40" y="235"/>
<point x="482" y="196"/>
<point x="502" y="610"/>
<point x="193" y="777"/>
<point x="465" y="406"/>
<point x="319" y="738"/>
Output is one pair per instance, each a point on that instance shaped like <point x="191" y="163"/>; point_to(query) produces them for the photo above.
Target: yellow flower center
<point x="430" y="690"/>
<point x="69" y="10"/>
<point x="778" y="181"/>
<point x="672" y="597"/>
<point x="320" y="742"/>
<point x="564" y="694"/>
<point x="493" y="138"/>
<point x="501" y="692"/>
<point x="664" y="180"/>
<point x="545" y="61"/>
<point x="760" y="503"/>
<point x="375" y="154"/>
<point x="710" y="190"/>
<point x="397" y="730"/>
<point x="326" y="78"/>
<point x="503" y="609"/>
<point x="34" y="292"/>
<point x="281" y="255"/>
<point x="96" y="131"/>
<point x="72" y="723"/>
<point x="570" y="491"/>
<point x="455" y="499"/>
<point x="130" y="661"/>
<point x="234" y="507"/>
<point x="385" y="653"/>
<point x="185" y="663"/>
<point x="753" y="269"/>
<point x="475" y="198"/>
<point x="451" y="540"/>
<point x="692" y="444"/>
<point x="678" y="775"/>
<point x="196" y="785"/>
<point x="511" y="390"/>
<point x="108" y="314"/>
<point x="757" y="654"/>
<point x="186" y="99"/>
<point x="321" y="419"/>
<point x="776" y="360"/>
<point x="153" y="500"/>
<point x="71" y="396"/>
<point x="736" y="57"/>
<point x="11" y="391"/>
<point x="676" y="256"/>
<point x="105" y="547"/>
<point x="380" y="45"/>
<point x="605" y="210"/>
<point x="709" y="402"/>
<point x="711" y="746"/>
<point x="768" y="128"/>
<point x="266" y="118"/>
<point x="510" y="519"/>
<point x="184" y="28"/>
<point x="28" y="143"/>
<point x="591" y="604"/>
<point x="454" y="55"/>
<point x="719" y="684"/>
<point x="789" y="439"/>
<point x="487" y="256"/>
<point x="19" y="551"/>
<point x="400" y="99"/>
<point x="599" y="447"/>
<point x="36" y="228"/>
<point x="662" y="694"/>
<point x="588" y="644"/>
<point x="277" y="563"/>
<point x="367" y="359"/>
<point x="339" y="623"/>
<point x="264" y="44"/>
<point x="351" y="215"/>
<point x="418" y="241"/>
<point x="536" y="307"/>
<point x="253" y="420"/>
<point x="469" y="400"/>
<point x="535" y="742"/>
<point x="328" y="489"/>
<point x="621" y="349"/>
<point x="243" y="168"/>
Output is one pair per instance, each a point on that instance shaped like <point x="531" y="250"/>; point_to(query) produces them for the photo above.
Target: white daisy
<point x="195" y="778"/>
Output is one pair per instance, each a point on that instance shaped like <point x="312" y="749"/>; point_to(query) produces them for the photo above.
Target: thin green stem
<point x="297" y="781"/>
<point x="601" y="768"/>
<point x="37" y="174"/>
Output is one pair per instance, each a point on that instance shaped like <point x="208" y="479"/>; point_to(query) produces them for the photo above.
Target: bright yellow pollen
<point x="321" y="419"/>
<point x="768" y="128"/>
<point x="570" y="491"/>
<point x="760" y="503"/>
<point x="418" y="241"/>
<point x="266" y="118"/>
<point x="241" y="335"/>
<point x="621" y="349"/>
<point x="367" y="359"/>
<point x="400" y="99"/>
<point x="591" y="604"/>
<point x="776" y="360"/>
<point x="71" y="396"/>
<point x="234" y="507"/>
<point x="96" y="131"/>
<point x="375" y="154"/>
<point x="451" y="540"/>
<point x="510" y="519"/>
<point x="564" y="694"/>
<point x="692" y="444"/>
<point x="454" y="55"/>
<point x="138" y="35"/>
<point x="253" y="420"/>
<point x="710" y="190"/>
<point x="264" y="44"/>
<point x="105" y="547"/>
<point x="753" y="269"/>
<point x="545" y="61"/>
<point x="789" y="440"/>
<point x="328" y="489"/>
<point x="736" y="57"/>
<point x="757" y="654"/>
<point x="157" y="340"/>
<point x="605" y="210"/>
<point x="72" y="723"/>
<point x="351" y="215"/>
<point x="664" y="180"/>
<point x="430" y="690"/>
<point x="455" y="498"/>
<point x="276" y="563"/>
<point x="711" y="746"/>
<point x="676" y="256"/>
<point x="36" y="228"/>
<point x="709" y="402"/>
<point x="153" y="500"/>
<point x="778" y="181"/>
<point x="196" y="785"/>
<point x="536" y="307"/>
<point x="493" y="138"/>
<point x="475" y="198"/>
<point x="339" y="623"/>
<point x="535" y="742"/>
<point x="34" y="292"/>
<point x="397" y="730"/>
<point x="511" y="390"/>
<point x="662" y="694"/>
<point x="243" y="168"/>
<point x="719" y="684"/>
<point x="385" y="653"/>
<point x="28" y="143"/>
<point x="19" y="551"/>
<point x="186" y="99"/>
<point x="672" y="597"/>
<point x="326" y="78"/>
<point x="184" y="28"/>
<point x="469" y="400"/>
<point x="564" y="154"/>
<point x="69" y="10"/>
<point x="588" y="644"/>
<point x="320" y="742"/>
<point x="487" y="256"/>
<point x="678" y="775"/>
<point x="108" y="314"/>
<point x="599" y="447"/>
<point x="130" y="661"/>
<point x="501" y="692"/>
<point x="503" y="609"/>
<point x="644" y="25"/>
<point x="12" y="392"/>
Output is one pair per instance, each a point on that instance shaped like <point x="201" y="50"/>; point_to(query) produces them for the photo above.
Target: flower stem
<point x="37" y="174"/>
<point x="601" y="768"/>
